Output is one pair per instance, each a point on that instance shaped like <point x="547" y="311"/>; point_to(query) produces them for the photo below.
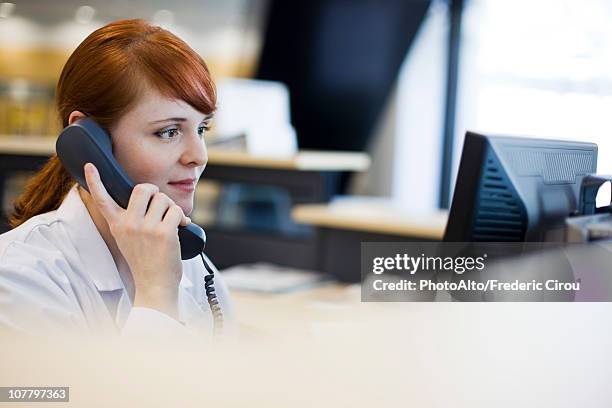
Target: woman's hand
<point x="147" y="239"/>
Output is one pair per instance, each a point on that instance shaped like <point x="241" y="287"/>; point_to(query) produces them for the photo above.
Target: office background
<point x="539" y="68"/>
<point x="400" y="80"/>
<point x="410" y="91"/>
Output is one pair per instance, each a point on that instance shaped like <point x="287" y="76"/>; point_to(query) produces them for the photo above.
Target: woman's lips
<point x="187" y="186"/>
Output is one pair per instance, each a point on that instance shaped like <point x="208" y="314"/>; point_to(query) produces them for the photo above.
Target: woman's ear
<point x="74" y="116"/>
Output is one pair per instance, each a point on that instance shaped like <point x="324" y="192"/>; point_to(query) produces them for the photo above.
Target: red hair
<point x="104" y="78"/>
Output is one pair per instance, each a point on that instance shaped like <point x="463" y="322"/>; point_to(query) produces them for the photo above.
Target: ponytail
<point x="44" y="192"/>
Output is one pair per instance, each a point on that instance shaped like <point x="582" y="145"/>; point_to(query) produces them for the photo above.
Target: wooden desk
<point x="342" y="227"/>
<point x="373" y="218"/>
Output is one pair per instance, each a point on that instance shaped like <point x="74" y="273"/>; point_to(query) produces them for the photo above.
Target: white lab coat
<point x="58" y="275"/>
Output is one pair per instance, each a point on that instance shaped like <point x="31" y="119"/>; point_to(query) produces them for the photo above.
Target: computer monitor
<point x="515" y="189"/>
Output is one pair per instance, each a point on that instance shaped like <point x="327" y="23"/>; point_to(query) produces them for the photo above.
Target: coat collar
<point x="93" y="252"/>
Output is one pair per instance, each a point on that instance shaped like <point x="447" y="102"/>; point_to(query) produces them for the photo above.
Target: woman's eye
<point x="168" y="133"/>
<point x="202" y="129"/>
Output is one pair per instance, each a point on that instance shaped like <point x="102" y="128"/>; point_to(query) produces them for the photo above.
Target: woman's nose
<point x="195" y="152"/>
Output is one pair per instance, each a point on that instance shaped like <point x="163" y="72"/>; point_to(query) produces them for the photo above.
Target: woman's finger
<point x="105" y="203"/>
<point x="173" y="217"/>
<point x="157" y="208"/>
<point x="140" y="200"/>
<point x="185" y="221"/>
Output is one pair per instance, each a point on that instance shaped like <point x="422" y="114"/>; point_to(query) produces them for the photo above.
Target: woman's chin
<point x="187" y="209"/>
<point x="185" y="201"/>
<point x="186" y="205"/>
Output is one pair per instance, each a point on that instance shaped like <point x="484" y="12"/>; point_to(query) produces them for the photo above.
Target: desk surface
<point x="306" y="160"/>
<point x="372" y="217"/>
<point x="283" y="314"/>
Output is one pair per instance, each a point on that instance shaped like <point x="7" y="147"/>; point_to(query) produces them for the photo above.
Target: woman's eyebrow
<point x="170" y="120"/>
<point x="207" y="117"/>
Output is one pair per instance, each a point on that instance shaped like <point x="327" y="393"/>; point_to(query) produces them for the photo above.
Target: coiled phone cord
<point x="213" y="302"/>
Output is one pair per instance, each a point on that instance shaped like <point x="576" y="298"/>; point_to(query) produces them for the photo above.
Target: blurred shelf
<point x="307" y="160"/>
<point x="27" y="145"/>
<point x="308" y="177"/>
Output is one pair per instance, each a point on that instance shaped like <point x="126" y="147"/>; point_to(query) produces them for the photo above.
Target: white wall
<point x="406" y="146"/>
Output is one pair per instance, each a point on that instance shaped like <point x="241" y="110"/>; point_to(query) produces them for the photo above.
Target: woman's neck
<point x="104" y="230"/>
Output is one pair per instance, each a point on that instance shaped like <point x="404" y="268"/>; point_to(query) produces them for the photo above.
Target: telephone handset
<point x="85" y="141"/>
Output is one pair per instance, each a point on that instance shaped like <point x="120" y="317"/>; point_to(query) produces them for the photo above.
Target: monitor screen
<point x="516" y="189"/>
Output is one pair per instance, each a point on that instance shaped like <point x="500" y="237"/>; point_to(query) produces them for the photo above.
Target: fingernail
<point x="188" y="220"/>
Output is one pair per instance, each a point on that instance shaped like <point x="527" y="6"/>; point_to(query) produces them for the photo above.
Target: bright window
<point x="537" y="68"/>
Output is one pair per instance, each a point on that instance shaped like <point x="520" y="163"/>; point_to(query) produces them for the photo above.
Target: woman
<point x="79" y="261"/>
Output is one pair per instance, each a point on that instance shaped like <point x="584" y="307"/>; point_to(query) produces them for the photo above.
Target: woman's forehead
<point x="152" y="105"/>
